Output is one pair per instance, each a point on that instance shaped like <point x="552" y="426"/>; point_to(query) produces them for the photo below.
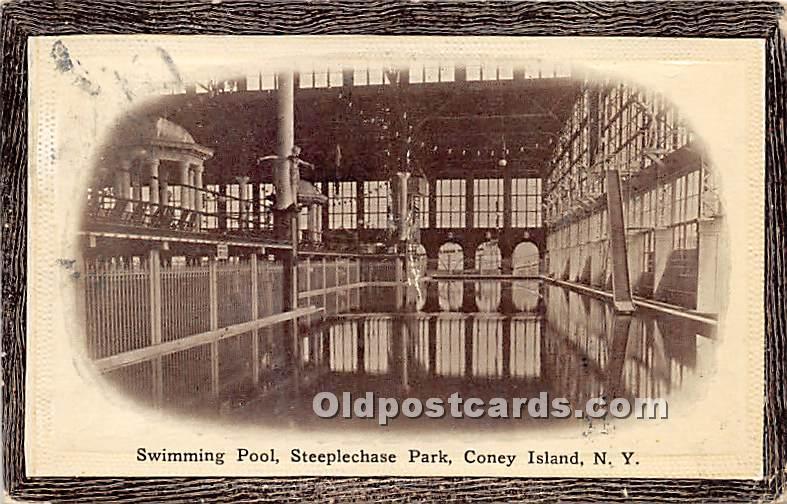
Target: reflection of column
<point x="198" y="169"/>
<point x="469" y="323"/>
<point x="507" y="297"/>
<point x="361" y="347"/>
<point x="617" y="354"/>
<point x="432" y="297"/>
<point x="183" y="180"/>
<point x="151" y="166"/>
<point x="432" y="345"/>
<point x="507" y="323"/>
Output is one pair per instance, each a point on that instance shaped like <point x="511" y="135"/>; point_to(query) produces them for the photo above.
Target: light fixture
<point x="503" y="162"/>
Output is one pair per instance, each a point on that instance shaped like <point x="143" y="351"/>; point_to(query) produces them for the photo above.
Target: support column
<point x="433" y="203"/>
<point x="163" y="188"/>
<point x="123" y="184"/>
<point x="318" y="222"/>
<point x="183" y="181"/>
<point x="621" y="285"/>
<point x="192" y="192"/>
<point x="469" y="205"/>
<point x="198" y="203"/>
<point x="285" y="117"/>
<point x="151" y="166"/>
<point x="401" y="207"/>
<point x="507" y="199"/>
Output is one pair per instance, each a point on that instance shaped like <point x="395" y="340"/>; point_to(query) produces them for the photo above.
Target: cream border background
<point x="75" y="426"/>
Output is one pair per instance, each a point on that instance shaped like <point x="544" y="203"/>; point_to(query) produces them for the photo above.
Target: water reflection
<point x="552" y="340"/>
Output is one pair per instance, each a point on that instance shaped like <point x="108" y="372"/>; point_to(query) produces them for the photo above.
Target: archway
<point x="525" y="262"/>
<point x="488" y="260"/>
<point x="451" y="259"/>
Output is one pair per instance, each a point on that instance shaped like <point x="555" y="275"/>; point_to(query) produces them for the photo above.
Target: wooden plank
<point x="337" y="288"/>
<point x="214" y="325"/>
<point x="255" y="314"/>
<point x="210" y="337"/>
<point x="155" y="325"/>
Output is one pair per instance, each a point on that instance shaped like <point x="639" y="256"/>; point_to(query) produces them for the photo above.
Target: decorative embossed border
<point x="23" y="18"/>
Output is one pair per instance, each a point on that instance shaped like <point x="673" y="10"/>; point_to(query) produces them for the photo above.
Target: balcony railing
<point x="105" y="207"/>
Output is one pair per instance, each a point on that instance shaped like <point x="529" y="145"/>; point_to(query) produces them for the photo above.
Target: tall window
<point x="422" y="208"/>
<point x="376" y="199"/>
<point x="210" y="202"/>
<point x="526" y="202"/>
<point x="450" y="203"/>
<point x="488" y="203"/>
<point x="342" y="206"/>
<point x="233" y="205"/>
<point x="684" y="233"/>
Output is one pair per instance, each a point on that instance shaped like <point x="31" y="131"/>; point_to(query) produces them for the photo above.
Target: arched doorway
<point x="450" y="259"/>
<point x="488" y="260"/>
<point x="525" y="262"/>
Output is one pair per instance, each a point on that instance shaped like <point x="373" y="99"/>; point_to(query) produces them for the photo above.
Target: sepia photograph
<point x="393" y="255"/>
<point x="488" y="228"/>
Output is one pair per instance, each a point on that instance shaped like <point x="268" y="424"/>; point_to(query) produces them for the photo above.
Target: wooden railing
<point x="198" y="334"/>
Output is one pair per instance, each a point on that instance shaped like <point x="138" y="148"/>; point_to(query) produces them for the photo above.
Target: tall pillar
<point x="192" y="192"/>
<point x="286" y="223"/>
<point x="401" y="207"/>
<point x="318" y="220"/>
<point x="163" y="189"/>
<point x="198" y="169"/>
<point x="285" y="117"/>
<point x="469" y="203"/>
<point x="123" y="184"/>
<point x="432" y="203"/>
<point x="151" y="166"/>
<point x="183" y="181"/>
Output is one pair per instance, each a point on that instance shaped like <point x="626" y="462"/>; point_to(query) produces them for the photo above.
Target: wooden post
<point x="336" y="285"/>
<point x="308" y="287"/>
<point x="255" y="314"/>
<point x="324" y="286"/>
<point x="399" y="282"/>
<point x="291" y="297"/>
<point x="214" y="324"/>
<point x="154" y="265"/>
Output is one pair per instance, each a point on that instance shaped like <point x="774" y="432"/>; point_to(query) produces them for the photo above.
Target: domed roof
<point x="146" y="130"/>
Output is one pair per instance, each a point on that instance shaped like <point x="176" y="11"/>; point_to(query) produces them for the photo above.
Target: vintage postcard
<point x="341" y="255"/>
